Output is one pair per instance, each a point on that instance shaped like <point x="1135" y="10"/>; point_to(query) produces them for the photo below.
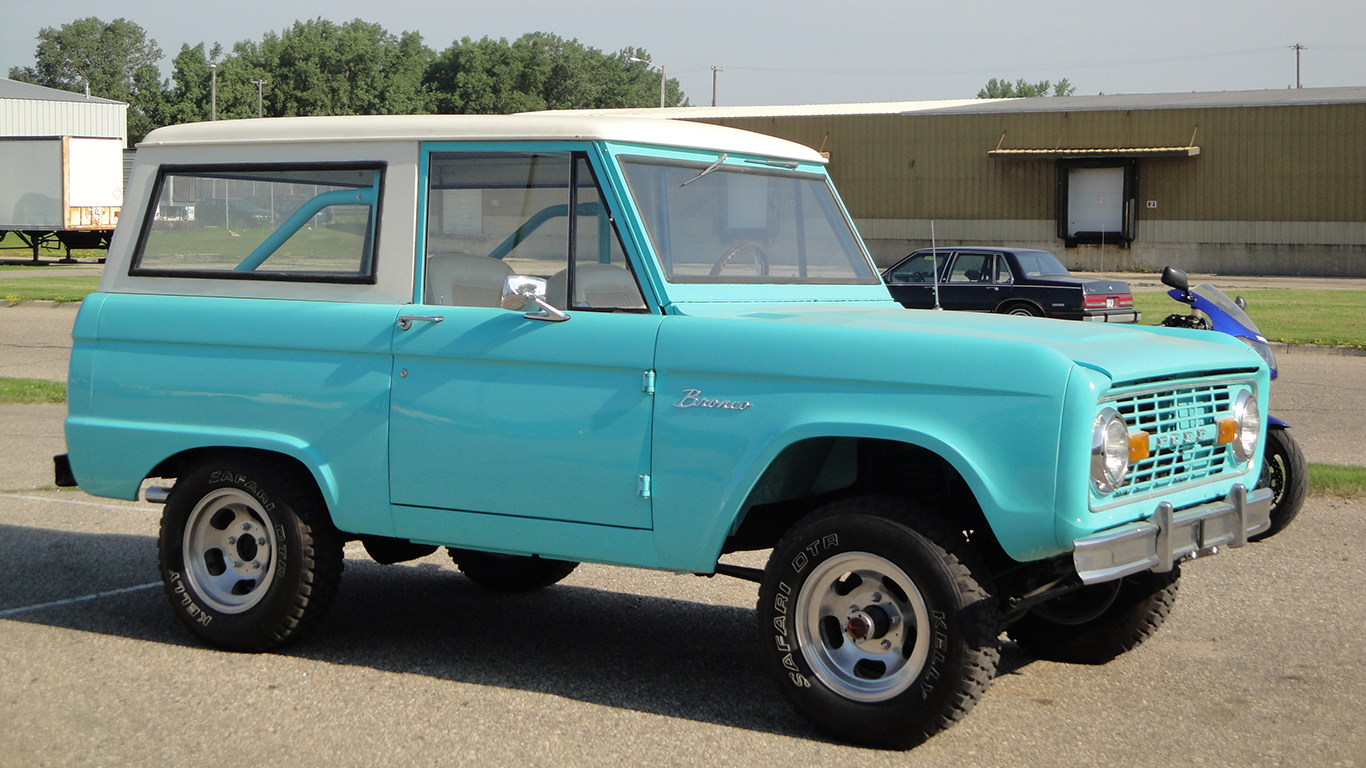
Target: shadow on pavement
<point x="655" y="655"/>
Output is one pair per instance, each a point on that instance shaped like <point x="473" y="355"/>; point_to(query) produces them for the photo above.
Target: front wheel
<point x="1286" y="473"/>
<point x="248" y="555"/>
<point x="875" y="619"/>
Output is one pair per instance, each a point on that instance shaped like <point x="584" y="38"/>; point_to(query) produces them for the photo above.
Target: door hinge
<point x="647" y="385"/>
<point x="643" y="486"/>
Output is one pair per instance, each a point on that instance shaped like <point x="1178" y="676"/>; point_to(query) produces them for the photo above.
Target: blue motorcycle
<point x="1284" y="469"/>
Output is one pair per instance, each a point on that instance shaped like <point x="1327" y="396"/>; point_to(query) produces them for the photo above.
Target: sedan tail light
<point x="1109" y="300"/>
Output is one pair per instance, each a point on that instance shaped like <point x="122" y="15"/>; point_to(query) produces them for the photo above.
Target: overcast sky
<point x="800" y="52"/>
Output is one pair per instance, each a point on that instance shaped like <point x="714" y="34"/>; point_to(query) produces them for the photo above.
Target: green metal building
<point x="1237" y="182"/>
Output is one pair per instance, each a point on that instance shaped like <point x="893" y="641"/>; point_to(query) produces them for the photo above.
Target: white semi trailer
<point x="59" y="192"/>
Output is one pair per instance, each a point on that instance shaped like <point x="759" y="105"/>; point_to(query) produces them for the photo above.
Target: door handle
<point x="406" y="321"/>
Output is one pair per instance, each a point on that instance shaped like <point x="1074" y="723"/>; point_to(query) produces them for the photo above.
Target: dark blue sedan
<point x="1010" y="281"/>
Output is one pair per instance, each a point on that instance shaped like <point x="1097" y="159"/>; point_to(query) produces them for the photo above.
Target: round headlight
<point x="1109" y="451"/>
<point x="1249" y="424"/>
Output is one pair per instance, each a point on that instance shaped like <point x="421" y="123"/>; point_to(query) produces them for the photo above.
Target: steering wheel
<point x="760" y="258"/>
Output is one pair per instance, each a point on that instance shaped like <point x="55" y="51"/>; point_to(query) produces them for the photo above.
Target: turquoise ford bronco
<point x="538" y="340"/>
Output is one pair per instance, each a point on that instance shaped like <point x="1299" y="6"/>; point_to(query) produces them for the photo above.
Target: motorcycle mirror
<point x="1176" y="279"/>
<point x="1241" y="302"/>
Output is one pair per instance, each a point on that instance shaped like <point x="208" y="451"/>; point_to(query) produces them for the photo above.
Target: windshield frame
<point x="866" y="286"/>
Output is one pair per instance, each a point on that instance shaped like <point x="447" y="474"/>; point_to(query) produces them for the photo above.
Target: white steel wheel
<point x="863" y="626"/>
<point x="229" y="550"/>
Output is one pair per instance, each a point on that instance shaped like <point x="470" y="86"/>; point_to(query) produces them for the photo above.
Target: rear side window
<point x="303" y="223"/>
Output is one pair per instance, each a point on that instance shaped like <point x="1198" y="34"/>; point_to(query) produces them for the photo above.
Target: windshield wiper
<point x="791" y="165"/>
<point x="708" y="170"/>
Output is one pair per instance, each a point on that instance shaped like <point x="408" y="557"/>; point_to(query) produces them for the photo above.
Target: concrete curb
<point x="1315" y="349"/>
<point x="41" y="303"/>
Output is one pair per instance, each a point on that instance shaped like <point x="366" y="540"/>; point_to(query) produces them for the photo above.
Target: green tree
<point x="318" y="67"/>
<point x="539" y="71"/>
<point x="1020" y="89"/>
<point x="115" y="60"/>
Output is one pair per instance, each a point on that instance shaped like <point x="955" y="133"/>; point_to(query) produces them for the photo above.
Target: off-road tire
<point x="248" y="555"/>
<point x="1098" y="623"/>
<point x="510" y="573"/>
<point x="915" y="645"/>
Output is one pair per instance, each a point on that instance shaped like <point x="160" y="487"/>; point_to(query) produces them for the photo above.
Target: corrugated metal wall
<point x="1257" y="164"/>
<point x="33" y="117"/>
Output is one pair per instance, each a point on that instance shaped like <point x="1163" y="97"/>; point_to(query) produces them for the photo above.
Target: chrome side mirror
<point x="519" y="289"/>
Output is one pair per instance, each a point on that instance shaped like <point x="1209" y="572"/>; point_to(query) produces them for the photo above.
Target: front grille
<point x="1181" y="419"/>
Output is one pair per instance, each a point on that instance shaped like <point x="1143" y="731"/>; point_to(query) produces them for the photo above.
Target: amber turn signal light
<point x="1138" y="446"/>
<point x="1228" y="431"/>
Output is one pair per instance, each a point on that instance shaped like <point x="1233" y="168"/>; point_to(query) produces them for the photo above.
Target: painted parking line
<point x="125" y="508"/>
<point x="81" y="599"/>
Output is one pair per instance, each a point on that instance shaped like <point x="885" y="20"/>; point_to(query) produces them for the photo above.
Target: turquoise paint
<point x="171" y="373"/>
<point x="498" y="413"/>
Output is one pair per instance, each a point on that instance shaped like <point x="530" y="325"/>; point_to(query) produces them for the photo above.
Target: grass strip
<point x="58" y="288"/>
<point x="1334" y="480"/>
<point x="31" y="391"/>
<point x="1331" y="318"/>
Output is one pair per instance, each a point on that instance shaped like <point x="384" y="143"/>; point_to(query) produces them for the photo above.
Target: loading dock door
<point x="1095" y="202"/>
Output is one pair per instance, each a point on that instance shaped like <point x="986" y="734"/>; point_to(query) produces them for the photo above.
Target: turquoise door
<point x="495" y="413"/>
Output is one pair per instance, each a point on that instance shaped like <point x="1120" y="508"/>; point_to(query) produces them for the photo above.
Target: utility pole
<point x="714" y="70"/>
<point x="213" y="91"/>
<point x="1297" y="48"/>
<point x="259" y="85"/>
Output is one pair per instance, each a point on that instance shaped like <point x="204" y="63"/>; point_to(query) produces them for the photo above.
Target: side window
<point x="970" y="268"/>
<point x="491" y="215"/>
<point x="1003" y="276"/>
<point x="305" y="223"/>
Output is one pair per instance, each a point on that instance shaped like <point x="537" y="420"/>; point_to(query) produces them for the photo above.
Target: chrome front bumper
<point x="1158" y="543"/>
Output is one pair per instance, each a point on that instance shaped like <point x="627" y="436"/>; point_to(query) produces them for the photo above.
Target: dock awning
<point x="1069" y="154"/>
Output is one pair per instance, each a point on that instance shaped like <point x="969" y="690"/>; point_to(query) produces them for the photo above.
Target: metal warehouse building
<point x="1237" y="182"/>
<point x="28" y="110"/>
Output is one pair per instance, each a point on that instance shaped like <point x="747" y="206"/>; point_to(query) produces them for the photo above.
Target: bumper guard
<point x="1168" y="537"/>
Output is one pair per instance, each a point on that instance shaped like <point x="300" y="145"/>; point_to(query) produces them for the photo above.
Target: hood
<point x="1120" y="351"/>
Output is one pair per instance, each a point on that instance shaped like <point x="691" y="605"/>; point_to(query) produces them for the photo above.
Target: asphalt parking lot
<point x="1262" y="663"/>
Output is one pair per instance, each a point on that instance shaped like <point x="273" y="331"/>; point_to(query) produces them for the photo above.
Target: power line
<point x="1031" y="68"/>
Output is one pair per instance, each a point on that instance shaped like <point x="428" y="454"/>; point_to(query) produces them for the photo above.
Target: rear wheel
<point x="510" y="573"/>
<point x="1095" y="624"/>
<point x="875" y="619"/>
<point x="248" y="555"/>
<point x="1286" y="473"/>
<point x="1022" y="310"/>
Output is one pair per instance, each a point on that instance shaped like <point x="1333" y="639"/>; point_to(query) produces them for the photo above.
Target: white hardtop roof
<point x="536" y="126"/>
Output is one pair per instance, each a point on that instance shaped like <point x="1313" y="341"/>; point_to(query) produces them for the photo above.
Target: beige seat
<point x="465" y="280"/>
<point x="600" y="286"/>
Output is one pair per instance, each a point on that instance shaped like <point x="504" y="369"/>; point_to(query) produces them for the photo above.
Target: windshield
<point x="720" y="223"/>
<point x="1221" y="300"/>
